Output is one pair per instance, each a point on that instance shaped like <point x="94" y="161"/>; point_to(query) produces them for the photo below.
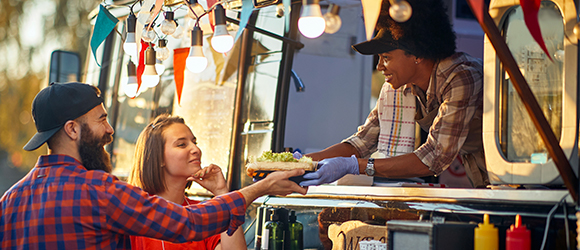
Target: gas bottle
<point x="486" y="235"/>
<point x="518" y="237"/>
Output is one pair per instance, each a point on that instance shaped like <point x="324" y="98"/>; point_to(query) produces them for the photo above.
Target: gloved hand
<point x="331" y="170"/>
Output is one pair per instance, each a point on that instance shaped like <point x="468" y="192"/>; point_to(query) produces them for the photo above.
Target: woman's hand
<point x="211" y="178"/>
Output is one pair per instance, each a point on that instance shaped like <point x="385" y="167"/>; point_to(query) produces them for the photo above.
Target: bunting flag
<point x="105" y="23"/>
<point x="141" y="66"/>
<point x="287" y="4"/>
<point x="479" y="6"/>
<point x="530" y="9"/>
<point x="211" y="3"/>
<point x="158" y="5"/>
<point x="179" y="57"/>
<point x="145" y="12"/>
<point x="247" y="9"/>
<point x="371" y="11"/>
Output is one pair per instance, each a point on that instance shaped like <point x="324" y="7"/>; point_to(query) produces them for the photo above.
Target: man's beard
<point x="92" y="151"/>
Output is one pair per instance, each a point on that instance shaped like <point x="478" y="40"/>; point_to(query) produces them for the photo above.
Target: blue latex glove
<point x="331" y="170"/>
<point x="297" y="155"/>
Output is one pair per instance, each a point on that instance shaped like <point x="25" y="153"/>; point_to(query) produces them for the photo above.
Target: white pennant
<point x="371" y="11"/>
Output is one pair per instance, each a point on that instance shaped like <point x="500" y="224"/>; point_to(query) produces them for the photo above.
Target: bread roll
<point x="277" y="166"/>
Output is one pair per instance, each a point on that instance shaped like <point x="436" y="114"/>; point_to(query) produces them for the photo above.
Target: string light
<point x="400" y="10"/>
<point x="311" y="24"/>
<point x="168" y="25"/>
<point x="148" y="34"/>
<point x="221" y="40"/>
<point x="196" y="61"/>
<point x="332" y="19"/>
<point x="130" y="45"/>
<point x="162" y="52"/>
<point x="150" y="78"/>
<point x="131" y="85"/>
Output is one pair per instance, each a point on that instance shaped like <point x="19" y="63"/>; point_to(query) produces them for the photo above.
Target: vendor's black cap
<point x="58" y="103"/>
<point x="383" y="42"/>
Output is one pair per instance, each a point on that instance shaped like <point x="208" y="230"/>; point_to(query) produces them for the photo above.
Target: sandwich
<point x="269" y="162"/>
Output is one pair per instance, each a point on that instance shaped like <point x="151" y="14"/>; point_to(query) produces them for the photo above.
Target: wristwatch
<point x="370" y="170"/>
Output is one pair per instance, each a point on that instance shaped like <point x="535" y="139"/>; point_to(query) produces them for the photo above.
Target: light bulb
<point x="196" y="61"/>
<point x="131" y="85"/>
<point x="400" y="10"/>
<point x="197" y="9"/>
<point x="150" y="81"/>
<point x="150" y="78"/>
<point x="221" y="40"/>
<point x="311" y="24"/>
<point x="168" y="25"/>
<point x="130" y="45"/>
<point x="332" y="19"/>
<point x="130" y="88"/>
<point x="159" y="67"/>
<point x="178" y="31"/>
<point x="223" y="43"/>
<point x="148" y="35"/>
<point x="162" y="51"/>
<point x="559" y="55"/>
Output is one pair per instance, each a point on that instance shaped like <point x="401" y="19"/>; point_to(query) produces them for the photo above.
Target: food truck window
<point x="257" y="112"/>
<point x="519" y="139"/>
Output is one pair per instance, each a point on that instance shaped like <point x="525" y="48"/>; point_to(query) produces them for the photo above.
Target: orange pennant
<point x="179" y="57"/>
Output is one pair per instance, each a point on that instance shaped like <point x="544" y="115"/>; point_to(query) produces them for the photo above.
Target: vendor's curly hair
<point x="427" y="34"/>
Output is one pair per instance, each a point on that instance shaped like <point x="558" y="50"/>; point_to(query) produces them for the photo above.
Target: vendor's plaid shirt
<point x="61" y="205"/>
<point x="455" y="101"/>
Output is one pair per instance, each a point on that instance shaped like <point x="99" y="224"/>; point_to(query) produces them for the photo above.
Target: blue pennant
<point x="105" y="23"/>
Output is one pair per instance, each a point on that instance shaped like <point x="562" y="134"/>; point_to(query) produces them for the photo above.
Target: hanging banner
<point x="530" y="9"/>
<point x="179" y="57"/>
<point x="371" y="11"/>
<point x="104" y="24"/>
<point x="479" y="7"/>
<point x="141" y="66"/>
<point x="247" y="9"/>
<point x="145" y="13"/>
<point x="211" y="3"/>
<point x="158" y="5"/>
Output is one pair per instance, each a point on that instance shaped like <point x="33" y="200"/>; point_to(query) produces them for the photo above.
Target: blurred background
<point x="29" y="31"/>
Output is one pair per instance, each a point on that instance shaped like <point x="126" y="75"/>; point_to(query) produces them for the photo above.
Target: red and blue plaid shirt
<point x="61" y="205"/>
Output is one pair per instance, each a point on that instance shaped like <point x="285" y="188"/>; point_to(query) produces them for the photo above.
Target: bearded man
<point x="69" y="200"/>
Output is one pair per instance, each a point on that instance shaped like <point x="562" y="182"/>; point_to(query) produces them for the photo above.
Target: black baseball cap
<point x="58" y="103"/>
<point x="383" y="42"/>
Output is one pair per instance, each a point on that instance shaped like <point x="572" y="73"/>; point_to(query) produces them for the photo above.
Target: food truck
<point x="277" y="89"/>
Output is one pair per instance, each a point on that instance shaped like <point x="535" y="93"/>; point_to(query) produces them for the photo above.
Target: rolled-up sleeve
<point x="365" y="140"/>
